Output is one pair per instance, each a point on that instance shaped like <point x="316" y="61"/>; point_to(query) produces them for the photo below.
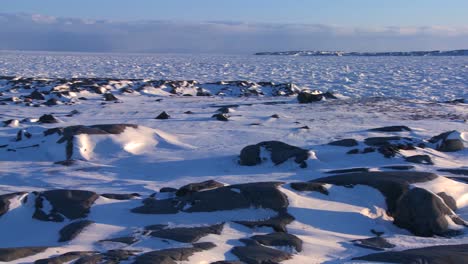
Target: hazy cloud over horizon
<point x="47" y="33"/>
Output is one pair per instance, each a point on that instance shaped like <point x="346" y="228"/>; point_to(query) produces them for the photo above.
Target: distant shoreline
<point x="463" y="52"/>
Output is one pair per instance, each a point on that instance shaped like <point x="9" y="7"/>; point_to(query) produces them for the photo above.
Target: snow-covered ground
<point x="192" y="147"/>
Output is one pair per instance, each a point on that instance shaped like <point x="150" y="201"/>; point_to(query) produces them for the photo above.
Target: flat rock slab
<point x="11" y="254"/>
<point x="72" y="204"/>
<point x="238" y="196"/>
<point x="258" y="254"/>
<point x="309" y="186"/>
<point x="172" y="255"/>
<point x="120" y="196"/>
<point x="279" y="239"/>
<point x="72" y="230"/>
<point x="278" y="222"/>
<point x="451" y="254"/>
<point x="374" y="243"/>
<point x="187" y="234"/>
<point x="348" y="142"/>
<point x="199" y="186"/>
<point x="391" y="129"/>
<point x="64" y="258"/>
<point x="279" y="153"/>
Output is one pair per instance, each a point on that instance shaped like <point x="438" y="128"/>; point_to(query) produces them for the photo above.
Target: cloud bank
<point x="46" y="33"/>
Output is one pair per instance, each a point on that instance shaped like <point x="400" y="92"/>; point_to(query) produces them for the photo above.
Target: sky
<point x="241" y="26"/>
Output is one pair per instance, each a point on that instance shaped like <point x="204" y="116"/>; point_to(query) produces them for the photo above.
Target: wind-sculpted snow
<point x="427" y="78"/>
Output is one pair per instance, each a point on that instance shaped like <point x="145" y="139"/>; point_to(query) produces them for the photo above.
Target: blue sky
<point x="339" y="12"/>
<point x="228" y="26"/>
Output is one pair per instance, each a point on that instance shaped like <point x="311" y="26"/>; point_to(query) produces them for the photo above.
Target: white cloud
<point x="39" y="32"/>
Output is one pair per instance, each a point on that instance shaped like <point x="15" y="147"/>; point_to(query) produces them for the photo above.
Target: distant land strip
<point x="463" y="52"/>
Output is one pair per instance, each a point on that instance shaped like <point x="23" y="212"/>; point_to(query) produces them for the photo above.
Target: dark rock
<point x="163" y="115"/>
<point x="72" y="230"/>
<point x="155" y="227"/>
<point x="392" y="184"/>
<point x="445" y="144"/>
<point x="167" y="190"/>
<point x="309" y="186"/>
<point x="124" y="240"/>
<point x="353" y="151"/>
<point x="420" y="159"/>
<point x="368" y="150"/>
<point x="171" y="255"/>
<point x="348" y="142"/>
<point x="226" y="262"/>
<point x="381" y="141"/>
<point x="388" y="151"/>
<point x="257" y="254"/>
<point x="51" y="102"/>
<point x="278" y="222"/>
<point x="68" y="162"/>
<point x="399" y="167"/>
<point x="348" y="170"/>
<point x="304" y="127"/>
<point x="224" y="110"/>
<point x="5" y="201"/>
<point x="374" y="243"/>
<point x="307" y="97"/>
<point x="448" y="254"/>
<point x="456" y="171"/>
<point x="329" y="95"/>
<point x="456" y="101"/>
<point x="188" y="112"/>
<point x="221" y="117"/>
<point x="11" y="254"/>
<point x="8" y="122"/>
<point x="36" y="95"/>
<point x="423" y="213"/>
<point x="279" y="153"/>
<point x="238" y="196"/>
<point x="108" y="97"/>
<point x="120" y="196"/>
<point x="47" y="119"/>
<point x="275" y="116"/>
<point x="391" y="129"/>
<point x="64" y="258"/>
<point x="199" y="186"/>
<point x="72" y="204"/>
<point x="279" y="239"/>
<point x="449" y="201"/>
<point x="187" y="234"/>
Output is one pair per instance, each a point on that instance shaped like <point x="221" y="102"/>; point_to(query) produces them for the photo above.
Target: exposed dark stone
<point x="279" y="153"/>
<point x="258" y="254"/>
<point x="392" y="184"/>
<point x="163" y="115"/>
<point x="456" y="171"/>
<point x="307" y="97"/>
<point x="11" y="254"/>
<point x="188" y="112"/>
<point x="353" y="151"/>
<point x="226" y="262"/>
<point x="368" y="150"/>
<point x="124" y="240"/>
<point x="391" y="129"/>
<point x="348" y="170"/>
<point x="110" y="97"/>
<point x="67" y="257"/>
<point x="36" y="95"/>
<point x="309" y="186"/>
<point x="72" y="204"/>
<point x="423" y="213"/>
<point x="72" y="230"/>
<point x="278" y="222"/>
<point x="375" y="243"/>
<point x="172" y="255"/>
<point x="47" y="119"/>
<point x="167" y="190"/>
<point x="120" y="196"/>
<point x="238" y="196"/>
<point x="224" y="110"/>
<point x="329" y="95"/>
<point x="275" y="116"/>
<point x="199" y="186"/>
<point x="155" y="227"/>
<point x="51" y="102"/>
<point x="381" y="141"/>
<point x="399" y="167"/>
<point x="187" y="234"/>
<point x="444" y="144"/>
<point x="8" y="122"/>
<point x="388" y="151"/>
<point x="420" y="159"/>
<point x="348" y="142"/>
<point x="5" y="201"/>
<point x="456" y="101"/>
<point x="279" y="239"/>
<point x="221" y="117"/>
<point x="449" y="201"/>
<point x="448" y="254"/>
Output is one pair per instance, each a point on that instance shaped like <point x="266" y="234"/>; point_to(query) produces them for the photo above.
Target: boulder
<point x="348" y="170"/>
<point x="279" y="153"/>
<point x="254" y="253"/>
<point x="391" y="129"/>
<point x="310" y="187"/>
<point x="163" y="115"/>
<point x="64" y="258"/>
<point x="72" y="204"/>
<point x="120" y="196"/>
<point x="278" y="222"/>
<point x="47" y="119"/>
<point x="306" y="97"/>
<point x="447" y="142"/>
<point x="221" y="117"/>
<point x="279" y="239"/>
<point x="108" y="97"/>
<point x="374" y="243"/>
<point x="172" y="255"/>
<point x="11" y="254"/>
<point x="348" y="142"/>
<point x="199" y="186"/>
<point x="187" y="234"/>
<point x="420" y="159"/>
